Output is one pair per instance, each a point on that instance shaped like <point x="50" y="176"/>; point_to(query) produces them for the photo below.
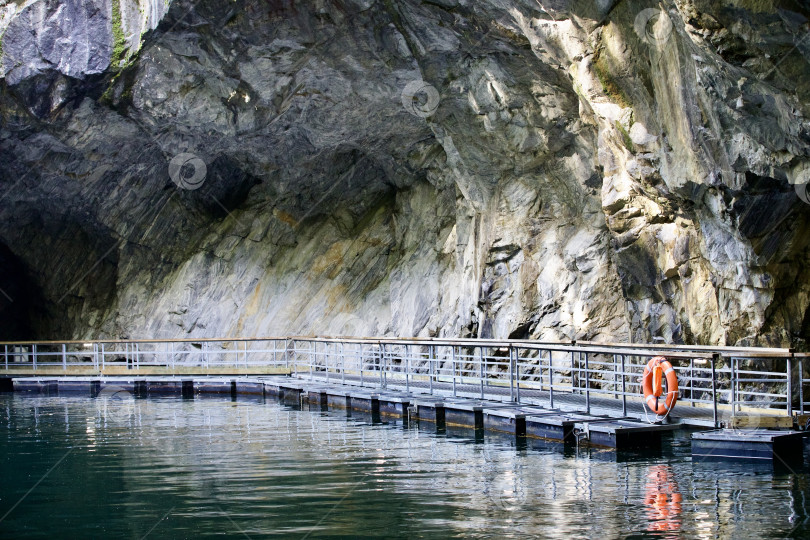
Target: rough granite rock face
<point x="550" y="169"/>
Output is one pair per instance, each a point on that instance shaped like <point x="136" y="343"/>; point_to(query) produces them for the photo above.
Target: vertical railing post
<point x="326" y="359"/>
<point x="5" y="355"/>
<point x="715" y="356"/>
<point x="511" y="376"/>
<point x="362" y="364"/>
<point x="615" y="377"/>
<point x="624" y="388"/>
<point x="801" y="384"/>
<point x="453" y="363"/>
<point x="733" y="362"/>
<point x="486" y="370"/>
<point x="407" y="368"/>
<point x="342" y="364"/>
<point x="34" y="355"/>
<point x="551" y="379"/>
<point x="517" y="374"/>
<point x="103" y="360"/>
<point x="737" y="399"/>
<point x="244" y="343"/>
<point x="313" y="351"/>
<point x="587" y="386"/>
<point x="431" y="366"/>
<point x="790" y="385"/>
<point x="574" y="374"/>
<point x="540" y="369"/>
<point x="380" y="360"/>
<point x="460" y="360"/>
<point x="481" y="369"/>
<point x="64" y="356"/>
<point x="692" y="381"/>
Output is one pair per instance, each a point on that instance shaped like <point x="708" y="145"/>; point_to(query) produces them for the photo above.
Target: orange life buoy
<point x="657" y="382"/>
<point x="652" y="385"/>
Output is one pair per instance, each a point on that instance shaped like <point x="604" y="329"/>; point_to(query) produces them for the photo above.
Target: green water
<point x="172" y="468"/>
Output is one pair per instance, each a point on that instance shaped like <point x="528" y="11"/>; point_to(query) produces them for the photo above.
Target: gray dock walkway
<point x="567" y="423"/>
<point x="684" y="413"/>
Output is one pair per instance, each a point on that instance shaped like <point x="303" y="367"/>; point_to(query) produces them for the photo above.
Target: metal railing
<point x="722" y="380"/>
<point x="727" y="382"/>
<point x="205" y="354"/>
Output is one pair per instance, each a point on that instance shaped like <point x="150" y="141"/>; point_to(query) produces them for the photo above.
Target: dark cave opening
<point x="18" y="299"/>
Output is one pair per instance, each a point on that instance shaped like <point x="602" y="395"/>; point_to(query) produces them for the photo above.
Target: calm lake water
<point x="172" y="468"/>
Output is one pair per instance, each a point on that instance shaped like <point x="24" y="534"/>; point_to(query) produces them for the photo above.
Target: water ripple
<point x="196" y="468"/>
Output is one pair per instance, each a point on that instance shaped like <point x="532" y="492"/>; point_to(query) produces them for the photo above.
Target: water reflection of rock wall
<point x="269" y="467"/>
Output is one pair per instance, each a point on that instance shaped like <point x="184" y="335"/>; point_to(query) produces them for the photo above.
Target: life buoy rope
<point x="658" y="369"/>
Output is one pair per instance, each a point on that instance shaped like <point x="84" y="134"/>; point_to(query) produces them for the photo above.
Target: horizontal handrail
<point x="743" y="352"/>
<point x="698" y="348"/>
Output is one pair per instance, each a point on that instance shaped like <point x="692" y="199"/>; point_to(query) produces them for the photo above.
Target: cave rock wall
<point x="495" y="168"/>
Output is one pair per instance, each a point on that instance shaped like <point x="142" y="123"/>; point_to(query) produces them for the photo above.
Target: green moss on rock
<point x="119" y="51"/>
<point x="628" y="142"/>
<point x="609" y="85"/>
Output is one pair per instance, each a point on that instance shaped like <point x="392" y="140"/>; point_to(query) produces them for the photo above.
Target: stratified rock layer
<point x="496" y="168"/>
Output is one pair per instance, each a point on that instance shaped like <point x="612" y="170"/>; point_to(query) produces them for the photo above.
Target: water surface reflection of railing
<point x="251" y="440"/>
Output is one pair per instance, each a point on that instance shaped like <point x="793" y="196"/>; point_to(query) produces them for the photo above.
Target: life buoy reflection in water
<point x="663" y="500"/>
